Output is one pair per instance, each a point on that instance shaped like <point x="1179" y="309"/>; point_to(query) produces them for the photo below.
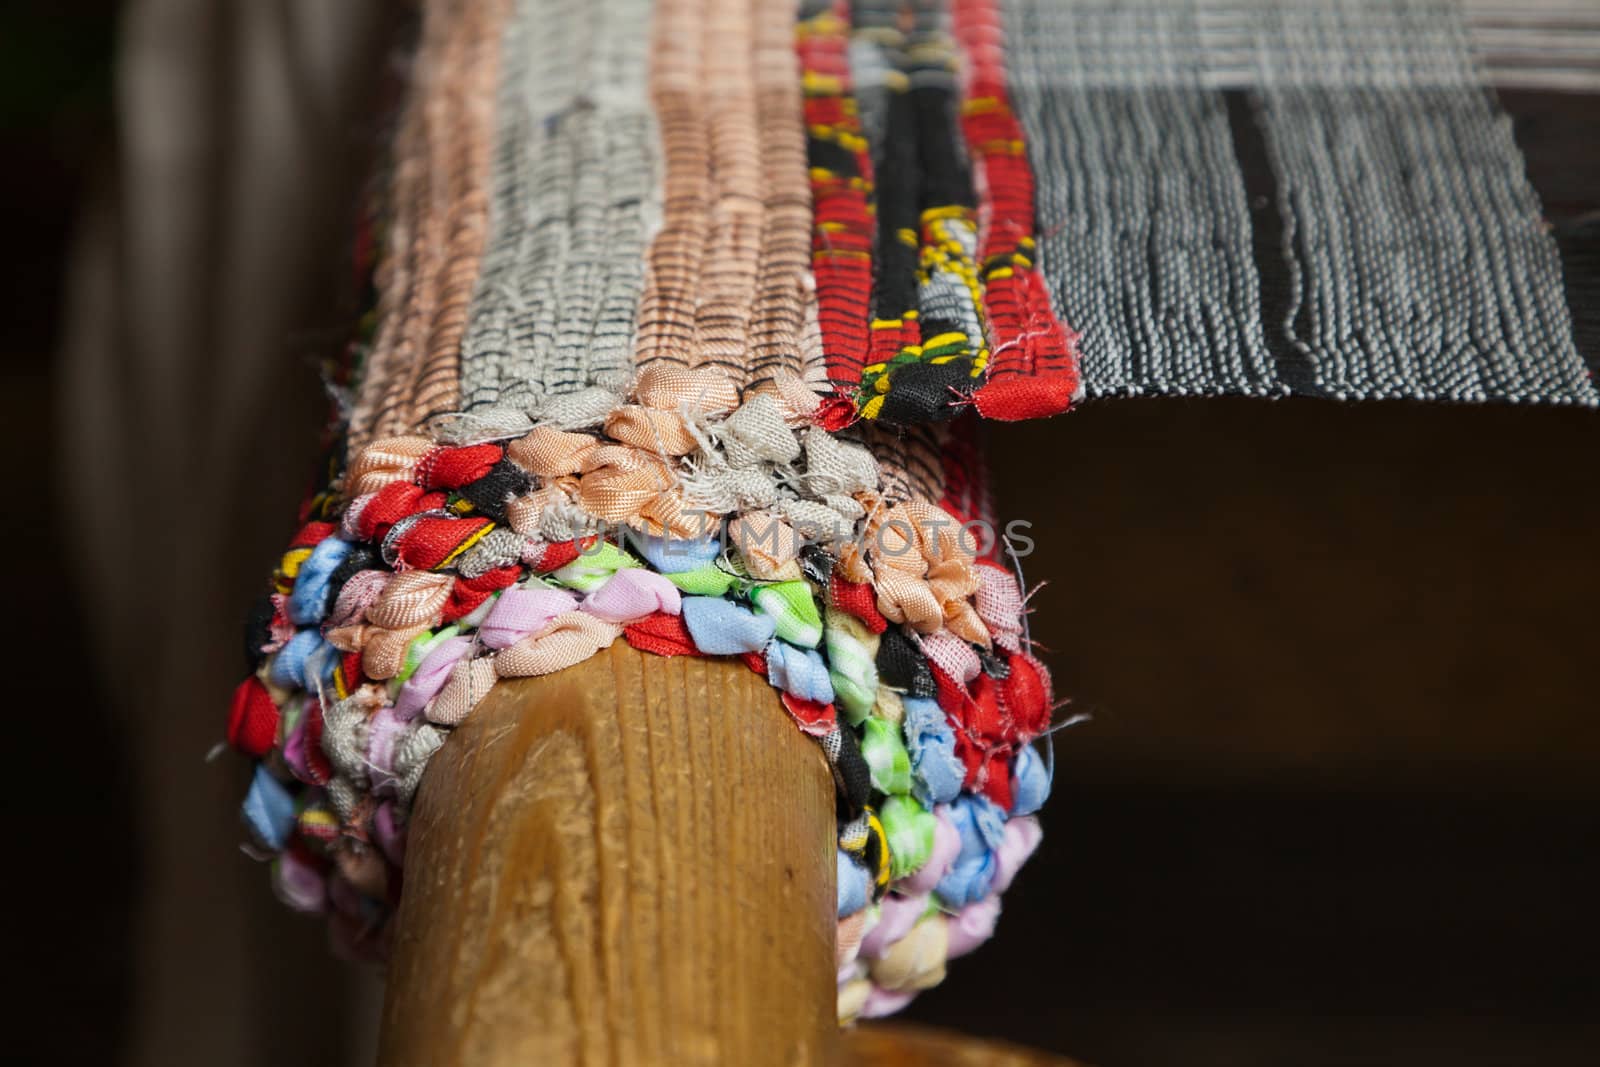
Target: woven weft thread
<point x="1033" y="369"/>
<point x="440" y="204"/>
<point x="1415" y="253"/>
<point x="654" y="279"/>
<point x="1420" y="262"/>
<point x="841" y="191"/>
<point x="727" y="279"/>
<point x="576" y="196"/>
<point x="1145" y="236"/>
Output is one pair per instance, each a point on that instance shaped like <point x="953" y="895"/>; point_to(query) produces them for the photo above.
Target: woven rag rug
<point x="683" y="317"/>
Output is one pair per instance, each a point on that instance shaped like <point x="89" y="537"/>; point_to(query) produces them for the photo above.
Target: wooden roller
<point x="628" y="862"/>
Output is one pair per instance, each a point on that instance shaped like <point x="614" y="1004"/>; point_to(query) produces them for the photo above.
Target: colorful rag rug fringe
<point x="649" y="282"/>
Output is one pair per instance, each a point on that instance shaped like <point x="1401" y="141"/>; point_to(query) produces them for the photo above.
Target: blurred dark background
<point x="1338" y="803"/>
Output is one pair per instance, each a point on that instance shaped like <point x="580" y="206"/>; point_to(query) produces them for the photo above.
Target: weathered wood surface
<point x="631" y="861"/>
<point x="903" y="1045"/>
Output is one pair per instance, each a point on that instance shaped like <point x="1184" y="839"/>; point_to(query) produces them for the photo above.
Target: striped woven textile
<point x="1398" y="249"/>
<point x="1009" y="204"/>
<point x="685" y="316"/>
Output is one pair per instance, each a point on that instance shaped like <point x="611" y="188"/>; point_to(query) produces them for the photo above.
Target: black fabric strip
<point x="946" y="180"/>
<point x="831" y="157"/>
<point x="895" y="286"/>
<point x="1267" y="240"/>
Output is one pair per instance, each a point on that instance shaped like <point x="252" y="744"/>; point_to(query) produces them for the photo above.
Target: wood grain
<point x="905" y="1045"/>
<point x="631" y="861"/>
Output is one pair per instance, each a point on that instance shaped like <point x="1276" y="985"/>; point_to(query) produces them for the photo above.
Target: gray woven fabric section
<point x="1414" y="252"/>
<point x="1144" y="235"/>
<point x="1419" y="262"/>
<point x="576" y="197"/>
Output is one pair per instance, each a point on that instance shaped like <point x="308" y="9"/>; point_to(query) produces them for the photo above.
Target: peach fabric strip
<point x="438" y="386"/>
<point x="439" y="194"/>
<point x="392" y="276"/>
<point x="666" y="330"/>
<point x="726" y="285"/>
<point x="727" y="279"/>
<point x="421" y="201"/>
<point x="779" y="316"/>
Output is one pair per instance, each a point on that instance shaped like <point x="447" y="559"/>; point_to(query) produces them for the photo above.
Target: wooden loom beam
<point x="627" y="862"/>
